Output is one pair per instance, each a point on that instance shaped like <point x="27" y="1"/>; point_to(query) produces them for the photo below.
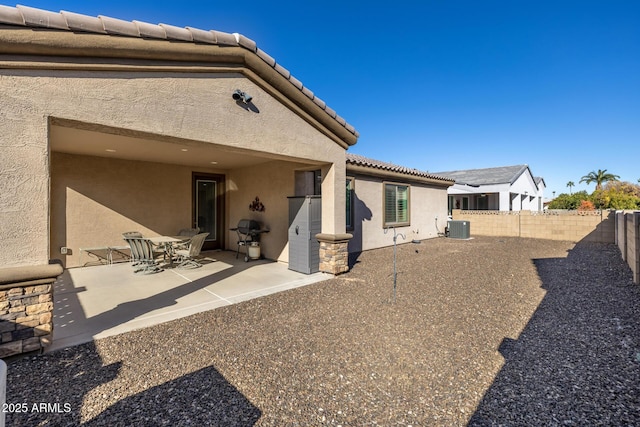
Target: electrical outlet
<point x="64" y="250"/>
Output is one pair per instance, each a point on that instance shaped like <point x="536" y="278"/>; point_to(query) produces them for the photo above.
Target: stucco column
<point x="24" y="186"/>
<point x="334" y="253"/>
<point x="333" y="198"/>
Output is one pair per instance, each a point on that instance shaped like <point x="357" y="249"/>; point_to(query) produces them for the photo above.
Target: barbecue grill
<point x="249" y="232"/>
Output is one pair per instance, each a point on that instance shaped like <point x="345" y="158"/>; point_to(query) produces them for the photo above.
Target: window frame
<point x="349" y="203"/>
<point x="388" y="224"/>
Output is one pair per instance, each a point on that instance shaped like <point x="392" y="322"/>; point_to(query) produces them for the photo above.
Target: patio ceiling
<point x="151" y="148"/>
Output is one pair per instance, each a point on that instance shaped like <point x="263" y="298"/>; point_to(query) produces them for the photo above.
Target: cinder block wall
<point x="621" y="228"/>
<point x="490" y="223"/>
<point x="597" y="226"/>
<point x="621" y="233"/>
<point x="632" y="232"/>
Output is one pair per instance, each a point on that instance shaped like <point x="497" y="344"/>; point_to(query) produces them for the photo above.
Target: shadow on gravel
<point x="577" y="362"/>
<point x="200" y="398"/>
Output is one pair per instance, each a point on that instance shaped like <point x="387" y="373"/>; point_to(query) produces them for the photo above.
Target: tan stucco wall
<point x="426" y="203"/>
<point x="95" y="199"/>
<point x="272" y="183"/>
<point x="192" y="106"/>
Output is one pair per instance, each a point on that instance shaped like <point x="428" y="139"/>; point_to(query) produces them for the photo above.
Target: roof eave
<point x="28" y="41"/>
<point x="383" y="173"/>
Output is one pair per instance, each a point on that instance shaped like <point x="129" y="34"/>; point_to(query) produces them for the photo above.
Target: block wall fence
<point x="621" y="228"/>
<point x="628" y="240"/>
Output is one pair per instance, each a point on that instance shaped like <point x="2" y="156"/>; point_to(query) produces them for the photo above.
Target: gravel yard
<point x="487" y="331"/>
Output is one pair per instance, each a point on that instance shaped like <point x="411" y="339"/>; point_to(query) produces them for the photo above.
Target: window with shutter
<point x="396" y="205"/>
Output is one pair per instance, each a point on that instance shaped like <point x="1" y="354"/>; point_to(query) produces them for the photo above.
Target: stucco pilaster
<point x="24" y="185"/>
<point x="333" y="196"/>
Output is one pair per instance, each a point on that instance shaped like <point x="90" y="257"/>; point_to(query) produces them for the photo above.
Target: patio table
<point x="168" y="242"/>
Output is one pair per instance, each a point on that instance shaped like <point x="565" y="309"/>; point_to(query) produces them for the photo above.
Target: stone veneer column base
<point x="26" y="308"/>
<point x="334" y="253"/>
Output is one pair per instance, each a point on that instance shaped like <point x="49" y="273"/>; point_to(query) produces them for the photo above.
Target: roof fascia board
<point x="66" y="44"/>
<point x="381" y="173"/>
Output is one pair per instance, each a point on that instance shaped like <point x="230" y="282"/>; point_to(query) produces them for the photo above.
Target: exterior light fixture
<point x="239" y="95"/>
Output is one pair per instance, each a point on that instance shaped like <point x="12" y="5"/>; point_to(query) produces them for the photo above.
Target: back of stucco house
<point x="110" y="126"/>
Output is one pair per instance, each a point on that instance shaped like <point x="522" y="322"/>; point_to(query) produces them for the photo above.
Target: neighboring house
<point x="108" y="126"/>
<point x="507" y="188"/>
<point x="383" y="195"/>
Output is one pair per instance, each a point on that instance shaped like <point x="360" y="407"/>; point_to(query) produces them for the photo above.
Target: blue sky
<point x="443" y="85"/>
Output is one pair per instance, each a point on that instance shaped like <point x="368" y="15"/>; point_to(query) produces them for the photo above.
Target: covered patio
<point x="106" y="181"/>
<point x="105" y="300"/>
<point x="113" y="126"/>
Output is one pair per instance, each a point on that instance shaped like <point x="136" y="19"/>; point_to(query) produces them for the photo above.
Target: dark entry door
<point x="208" y="208"/>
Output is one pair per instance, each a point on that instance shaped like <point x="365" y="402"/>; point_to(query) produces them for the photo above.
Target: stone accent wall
<point x="26" y="308"/>
<point x="334" y="253"/>
<point x="594" y="226"/>
<point x="26" y="319"/>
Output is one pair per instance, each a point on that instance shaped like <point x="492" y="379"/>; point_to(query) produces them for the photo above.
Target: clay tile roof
<point x="358" y="160"/>
<point x="89" y="24"/>
<point x="11" y="15"/>
<point x="176" y="33"/>
<point x="42" y="18"/>
<point x="69" y="21"/>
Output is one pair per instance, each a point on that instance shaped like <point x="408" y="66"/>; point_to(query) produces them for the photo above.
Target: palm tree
<point x="570" y="184"/>
<point x="599" y="178"/>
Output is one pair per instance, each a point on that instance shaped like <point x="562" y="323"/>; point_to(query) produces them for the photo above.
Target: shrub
<point x="616" y="197"/>
<point x="586" y="205"/>
<point x="568" y="201"/>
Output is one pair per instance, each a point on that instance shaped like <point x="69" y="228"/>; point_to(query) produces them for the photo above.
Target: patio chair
<point x="157" y="250"/>
<point x="127" y="235"/>
<point x="142" y="255"/>
<point x="187" y="257"/>
<point x="189" y="232"/>
<point x="186" y="232"/>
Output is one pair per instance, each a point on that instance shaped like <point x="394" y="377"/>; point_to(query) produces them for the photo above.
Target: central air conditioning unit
<point x="459" y="229"/>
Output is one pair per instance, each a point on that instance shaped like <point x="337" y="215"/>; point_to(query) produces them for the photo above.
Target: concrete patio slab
<point x="101" y="301"/>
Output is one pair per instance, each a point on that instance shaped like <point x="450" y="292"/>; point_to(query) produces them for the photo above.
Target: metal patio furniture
<point x="157" y="250"/>
<point x="142" y="255"/>
<point x="128" y="234"/>
<point x="169" y="245"/>
<point x="189" y="232"/>
<point x="187" y="257"/>
<point x="186" y="232"/>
